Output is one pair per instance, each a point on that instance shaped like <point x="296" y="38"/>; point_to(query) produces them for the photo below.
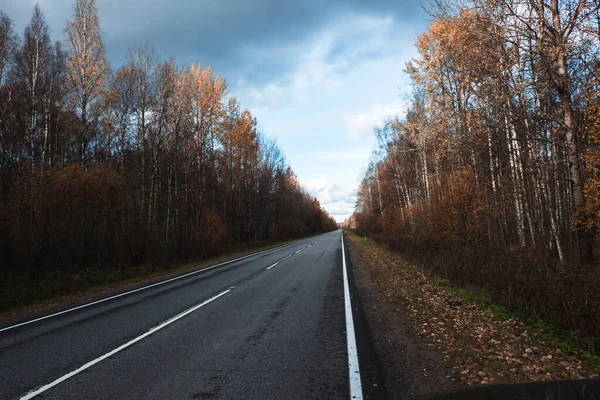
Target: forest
<point x="492" y="179"/>
<point x="151" y="164"/>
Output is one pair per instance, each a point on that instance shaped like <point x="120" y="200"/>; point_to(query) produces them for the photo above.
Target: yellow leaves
<point x="205" y="83"/>
<point x="87" y="65"/>
<point x="240" y="143"/>
<point x="589" y="217"/>
<point x="458" y="49"/>
<point x="199" y="99"/>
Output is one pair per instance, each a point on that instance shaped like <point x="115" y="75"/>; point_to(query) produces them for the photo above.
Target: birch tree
<point x="87" y="71"/>
<point x="8" y="42"/>
<point x="556" y="31"/>
<point x="32" y="79"/>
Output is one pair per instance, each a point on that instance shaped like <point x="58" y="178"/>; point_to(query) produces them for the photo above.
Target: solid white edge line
<point x="135" y="290"/>
<point x="353" y="366"/>
<point x="118" y="349"/>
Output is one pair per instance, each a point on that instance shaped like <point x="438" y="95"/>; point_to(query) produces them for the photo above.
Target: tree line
<point x="493" y="175"/>
<point x="151" y="163"/>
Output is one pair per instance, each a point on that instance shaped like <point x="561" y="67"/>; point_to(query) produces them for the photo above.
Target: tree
<point x="35" y="77"/>
<point x="120" y="109"/>
<point x="87" y="71"/>
<point x="556" y="26"/>
<point x="8" y="42"/>
<point x="491" y="178"/>
<point x="153" y="165"/>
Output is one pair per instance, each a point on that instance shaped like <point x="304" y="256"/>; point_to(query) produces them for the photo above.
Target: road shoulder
<point x="479" y="344"/>
<point x="408" y="366"/>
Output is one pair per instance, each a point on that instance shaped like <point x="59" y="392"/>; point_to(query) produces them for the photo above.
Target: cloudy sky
<point x="319" y="75"/>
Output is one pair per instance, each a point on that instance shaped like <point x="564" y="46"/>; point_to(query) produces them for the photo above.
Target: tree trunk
<point x="562" y="83"/>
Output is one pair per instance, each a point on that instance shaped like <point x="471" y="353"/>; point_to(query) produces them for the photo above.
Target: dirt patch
<point x="409" y="366"/>
<point x="419" y="326"/>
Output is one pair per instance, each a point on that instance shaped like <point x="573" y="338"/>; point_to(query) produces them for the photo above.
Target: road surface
<point x="269" y="326"/>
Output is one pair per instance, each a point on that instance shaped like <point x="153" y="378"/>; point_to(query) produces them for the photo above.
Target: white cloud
<point x="340" y="208"/>
<point x="338" y="200"/>
<point x="356" y="154"/>
<point x="315" y="185"/>
<point x="320" y="65"/>
<point x="312" y="73"/>
<point x="337" y="85"/>
<point x="361" y="125"/>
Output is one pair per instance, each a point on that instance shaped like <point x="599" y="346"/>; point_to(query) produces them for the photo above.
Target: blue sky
<point x="318" y="75"/>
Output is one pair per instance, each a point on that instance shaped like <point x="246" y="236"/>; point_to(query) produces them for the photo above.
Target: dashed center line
<point x="278" y="262"/>
<point x="298" y="251"/>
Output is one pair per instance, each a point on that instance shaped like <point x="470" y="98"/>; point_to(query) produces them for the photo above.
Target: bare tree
<point x="8" y="42"/>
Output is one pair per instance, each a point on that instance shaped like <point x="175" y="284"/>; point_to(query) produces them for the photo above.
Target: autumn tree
<point x="151" y="166"/>
<point x="37" y="79"/>
<point x="557" y="27"/>
<point x="588" y="218"/>
<point x="8" y="42"/>
<point x="239" y="160"/>
<point x="490" y="177"/>
<point x="87" y="71"/>
<point x="120" y="105"/>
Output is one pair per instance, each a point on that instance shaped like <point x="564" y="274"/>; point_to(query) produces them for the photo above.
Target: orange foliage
<point x="85" y="191"/>
<point x="589" y="217"/>
<point x="212" y="234"/>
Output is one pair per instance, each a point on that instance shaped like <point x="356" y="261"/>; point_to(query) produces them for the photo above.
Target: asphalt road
<point x="269" y="326"/>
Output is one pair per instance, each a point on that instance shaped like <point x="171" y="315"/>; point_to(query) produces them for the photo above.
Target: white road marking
<point x="135" y="290"/>
<point x="280" y="261"/>
<point x="118" y="349"/>
<point x="298" y="251"/>
<point x="268" y="268"/>
<point x="353" y="366"/>
<point x="309" y="246"/>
